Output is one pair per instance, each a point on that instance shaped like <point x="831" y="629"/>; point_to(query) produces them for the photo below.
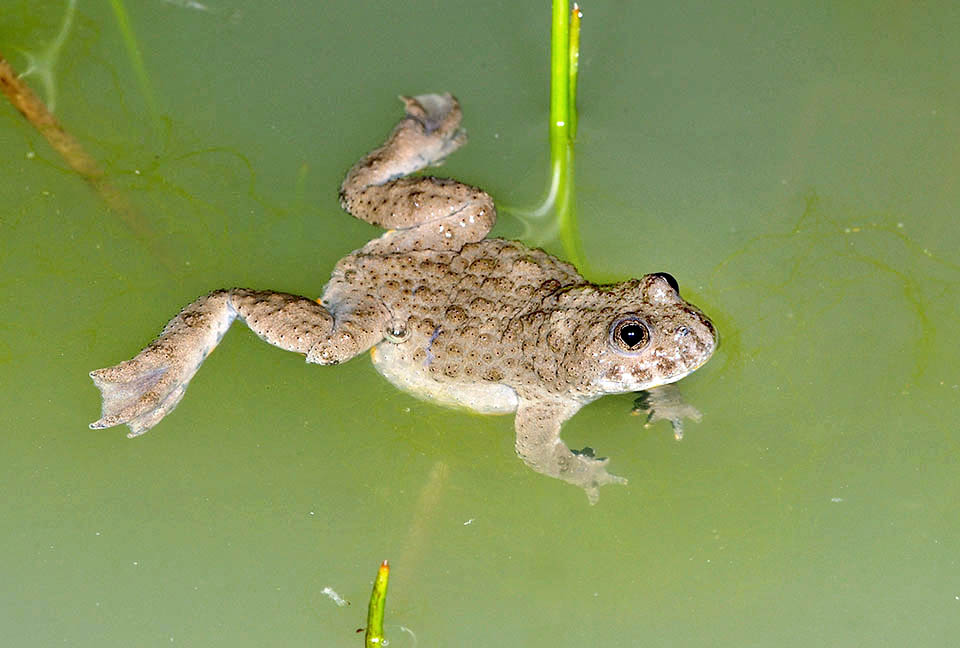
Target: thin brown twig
<point x="73" y="153"/>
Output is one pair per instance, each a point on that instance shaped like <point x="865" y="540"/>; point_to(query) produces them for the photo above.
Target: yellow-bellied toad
<point x="487" y="324"/>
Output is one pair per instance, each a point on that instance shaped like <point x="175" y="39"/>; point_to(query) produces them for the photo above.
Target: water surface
<point x="793" y="166"/>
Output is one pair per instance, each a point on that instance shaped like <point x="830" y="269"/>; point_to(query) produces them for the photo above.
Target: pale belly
<point x="412" y="377"/>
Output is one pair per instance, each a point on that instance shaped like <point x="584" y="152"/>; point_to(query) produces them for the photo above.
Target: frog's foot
<point x="428" y="133"/>
<point x="437" y="133"/>
<point x="589" y="473"/>
<point x="665" y="403"/>
<point x="539" y="445"/>
<point x="138" y="392"/>
<point x="141" y="391"/>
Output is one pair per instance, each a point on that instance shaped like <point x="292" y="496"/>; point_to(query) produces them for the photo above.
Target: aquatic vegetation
<point x="560" y="197"/>
<point x="41" y="64"/>
<point x="190" y="4"/>
<point x="564" y="64"/>
<point x="136" y="59"/>
<point x="378" y="602"/>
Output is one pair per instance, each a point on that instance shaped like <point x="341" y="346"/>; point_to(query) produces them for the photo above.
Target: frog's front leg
<point x="665" y="403"/>
<point x="539" y="445"/>
<point x="141" y="391"/>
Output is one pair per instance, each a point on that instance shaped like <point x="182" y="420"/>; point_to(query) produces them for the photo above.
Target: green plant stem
<point x="136" y="59"/>
<point x="378" y="600"/>
<point x="42" y="64"/>
<point x="559" y="76"/>
<point x="574" y="68"/>
<point x="564" y="55"/>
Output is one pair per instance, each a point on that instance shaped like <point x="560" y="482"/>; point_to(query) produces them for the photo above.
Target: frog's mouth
<point x="696" y="347"/>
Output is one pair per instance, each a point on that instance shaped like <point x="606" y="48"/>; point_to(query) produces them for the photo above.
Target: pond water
<point x="795" y="167"/>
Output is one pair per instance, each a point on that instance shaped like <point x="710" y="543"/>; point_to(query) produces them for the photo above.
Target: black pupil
<point x="632" y="334"/>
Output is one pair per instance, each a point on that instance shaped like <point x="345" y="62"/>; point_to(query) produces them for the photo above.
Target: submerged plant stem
<point x="42" y="64"/>
<point x="378" y="600"/>
<point x="36" y="112"/>
<point x="136" y="59"/>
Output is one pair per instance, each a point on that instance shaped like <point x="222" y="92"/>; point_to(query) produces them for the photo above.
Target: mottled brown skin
<point x="451" y="316"/>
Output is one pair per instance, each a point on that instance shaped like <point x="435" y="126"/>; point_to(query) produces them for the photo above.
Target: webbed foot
<point x="141" y="391"/>
<point x="136" y="395"/>
<point x="665" y="403"/>
<point x="439" y="133"/>
<point x="589" y="473"/>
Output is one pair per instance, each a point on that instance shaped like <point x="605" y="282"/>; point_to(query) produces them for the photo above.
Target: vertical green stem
<point x="559" y="77"/>
<point x="42" y="64"/>
<point x="564" y="64"/>
<point x="378" y="601"/>
<point x="574" y="68"/>
<point x="136" y="59"/>
<point x="564" y="57"/>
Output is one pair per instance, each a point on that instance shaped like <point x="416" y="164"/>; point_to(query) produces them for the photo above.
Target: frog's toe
<point x="436" y="112"/>
<point x="438" y="117"/>
<point x="593" y="489"/>
<point x="593" y="493"/>
<point x="603" y="477"/>
<point x="617" y="479"/>
<point x="665" y="403"/>
<point x="148" y="419"/>
<point x="136" y="396"/>
<point x="598" y="476"/>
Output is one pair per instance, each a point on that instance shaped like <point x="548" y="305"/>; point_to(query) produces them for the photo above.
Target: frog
<point x="445" y="312"/>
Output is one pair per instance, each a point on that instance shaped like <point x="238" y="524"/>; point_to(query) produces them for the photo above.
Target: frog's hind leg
<point x="427" y="134"/>
<point x="141" y="391"/>
<point x="420" y="212"/>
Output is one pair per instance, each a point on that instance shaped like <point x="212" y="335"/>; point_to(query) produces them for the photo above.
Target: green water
<point x="794" y="167"/>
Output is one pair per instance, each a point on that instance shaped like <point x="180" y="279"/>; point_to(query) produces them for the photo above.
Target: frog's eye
<point x="669" y="279"/>
<point x="629" y="334"/>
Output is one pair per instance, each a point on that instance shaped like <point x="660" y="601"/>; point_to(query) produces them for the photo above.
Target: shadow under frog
<point x="451" y="316"/>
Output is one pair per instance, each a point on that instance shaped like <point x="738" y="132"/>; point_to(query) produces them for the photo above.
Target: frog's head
<point x="637" y="335"/>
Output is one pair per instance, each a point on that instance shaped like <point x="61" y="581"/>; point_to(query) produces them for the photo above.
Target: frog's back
<point x="451" y="313"/>
<point x="487" y="280"/>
